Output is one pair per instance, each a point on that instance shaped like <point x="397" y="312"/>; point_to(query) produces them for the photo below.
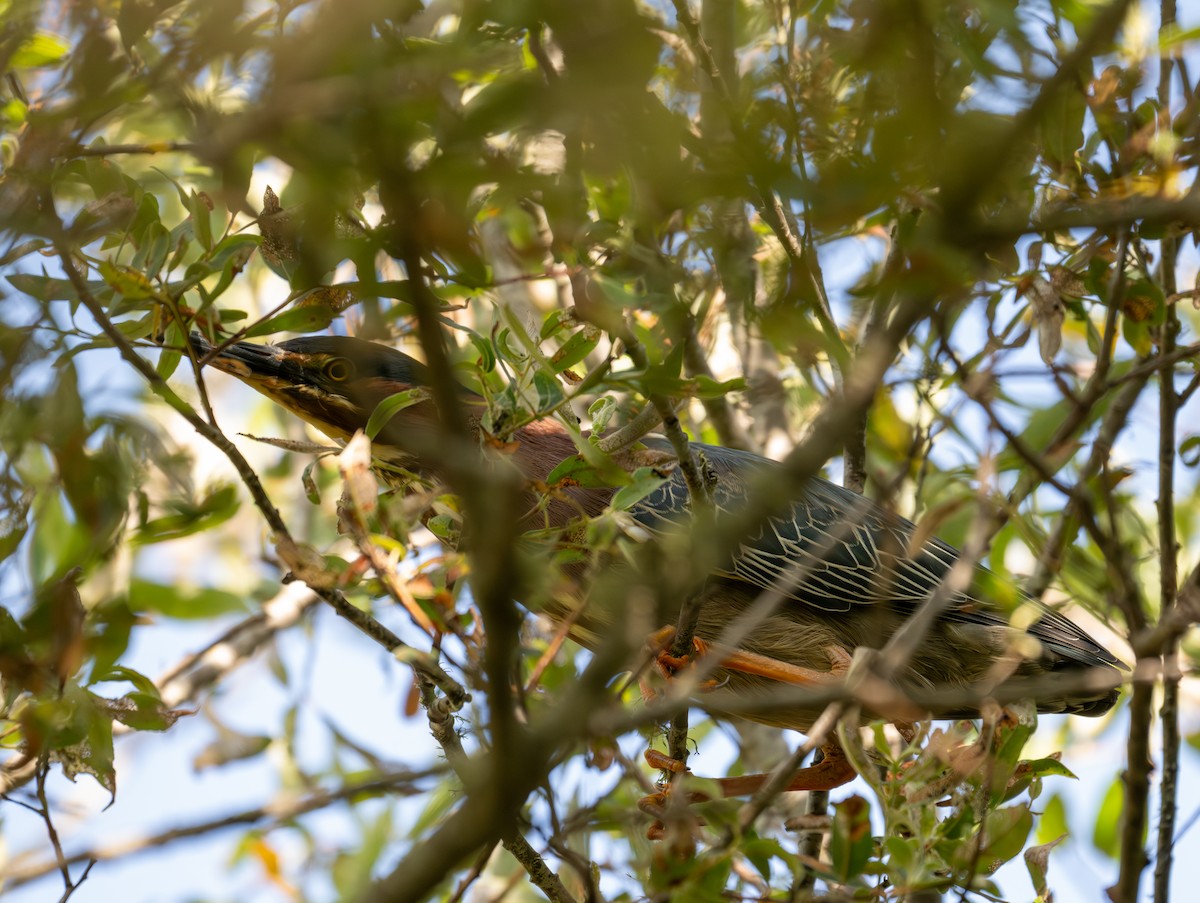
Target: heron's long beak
<point x="283" y="377"/>
<point x="266" y="366"/>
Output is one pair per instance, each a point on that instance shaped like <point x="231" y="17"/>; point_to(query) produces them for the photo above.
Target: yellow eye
<point x="339" y="370"/>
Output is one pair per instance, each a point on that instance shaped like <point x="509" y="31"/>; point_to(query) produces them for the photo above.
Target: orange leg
<point x="751" y="662"/>
<point x="832" y="771"/>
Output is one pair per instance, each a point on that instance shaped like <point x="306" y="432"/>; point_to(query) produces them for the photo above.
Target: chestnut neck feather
<point x="536" y="450"/>
<point x="541" y="447"/>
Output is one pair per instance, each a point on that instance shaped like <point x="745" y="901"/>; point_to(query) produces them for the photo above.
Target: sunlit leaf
<point x="186" y="604"/>
<point x="299" y="319"/>
<point x="40" y="50"/>
<point x="393" y="405"/>
<point x="644" y="481"/>
<point x="1003" y="837"/>
<point x="1106" y="834"/>
<point x="215" y="508"/>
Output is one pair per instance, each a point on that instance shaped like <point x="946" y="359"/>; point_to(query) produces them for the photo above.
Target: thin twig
<point x="279" y="812"/>
<point x="782" y="774"/>
<point x="642" y="423"/>
<point x="1168" y="546"/>
<point x="1116" y="419"/>
<point x="110" y="150"/>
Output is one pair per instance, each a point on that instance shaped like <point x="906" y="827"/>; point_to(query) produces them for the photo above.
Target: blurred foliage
<point x="572" y="182"/>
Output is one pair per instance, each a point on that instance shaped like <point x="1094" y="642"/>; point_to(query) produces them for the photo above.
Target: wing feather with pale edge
<point x="838" y="550"/>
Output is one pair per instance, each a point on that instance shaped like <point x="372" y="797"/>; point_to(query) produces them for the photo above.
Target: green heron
<point x="850" y="572"/>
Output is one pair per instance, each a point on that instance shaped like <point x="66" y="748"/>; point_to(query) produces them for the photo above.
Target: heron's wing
<point x="832" y="549"/>
<point x="835" y="550"/>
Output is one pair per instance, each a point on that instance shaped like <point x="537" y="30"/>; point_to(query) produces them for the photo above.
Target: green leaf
<point x="487" y="354"/>
<point x="144" y="712"/>
<point x="119" y="673"/>
<point x="576" y="471"/>
<point x="168" y="360"/>
<point x="216" y="508"/>
<point x="58" y="543"/>
<point x="1041" y="426"/>
<point x="1106" y="836"/>
<point x="1037" y="861"/>
<point x="13" y="113"/>
<point x="1137" y="335"/>
<point x="760" y="851"/>
<point x="311" y="491"/>
<point x="151" y="257"/>
<point x="851" y="843"/>
<point x="1173" y="36"/>
<point x="1053" y="821"/>
<point x="230" y="257"/>
<point x="643" y="481"/>
<point x="95" y="755"/>
<point x="444" y="527"/>
<point x="113" y="623"/>
<point x="903" y="855"/>
<point x="131" y="284"/>
<point x="47" y="288"/>
<point x="183" y="603"/>
<point x="391" y="406"/>
<point x="575" y="349"/>
<point x="40" y="50"/>
<point x="509" y="349"/>
<point x="300" y="319"/>
<point x="553" y="323"/>
<point x="13" y="526"/>
<point x="549" y="392"/>
<point x="707" y="387"/>
<point x="1062" y="124"/>
<point x="1189" y="451"/>
<point x="601" y="411"/>
<point x="200" y="207"/>
<point x="1041" y="768"/>
<point x="1004" y="833"/>
<point x="235" y="249"/>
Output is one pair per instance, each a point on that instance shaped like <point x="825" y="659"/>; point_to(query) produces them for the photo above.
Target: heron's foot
<point x="662" y="806"/>
<point x="832" y="771"/>
<point x="668" y="664"/>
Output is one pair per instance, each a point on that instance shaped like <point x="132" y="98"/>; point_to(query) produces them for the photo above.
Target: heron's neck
<point x="541" y="447"/>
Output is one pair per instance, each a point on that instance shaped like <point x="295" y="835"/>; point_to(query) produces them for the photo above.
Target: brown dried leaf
<point x="1048" y="316"/>
<point x="354" y="463"/>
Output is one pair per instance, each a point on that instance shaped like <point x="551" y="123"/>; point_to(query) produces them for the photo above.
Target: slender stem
<point x="1137" y="790"/>
<point x="441" y="724"/>
<point x="1168" y="411"/>
<point x="277" y="812"/>
<point x="1168" y="563"/>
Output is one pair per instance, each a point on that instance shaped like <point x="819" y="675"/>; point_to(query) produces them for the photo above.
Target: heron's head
<point x="333" y="382"/>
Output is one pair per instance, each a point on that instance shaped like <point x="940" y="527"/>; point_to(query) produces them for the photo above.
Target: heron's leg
<point x="832" y="771"/>
<point x="752" y="662"/>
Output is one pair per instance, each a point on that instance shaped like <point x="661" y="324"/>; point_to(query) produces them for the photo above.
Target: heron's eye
<point x="339" y="370"/>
